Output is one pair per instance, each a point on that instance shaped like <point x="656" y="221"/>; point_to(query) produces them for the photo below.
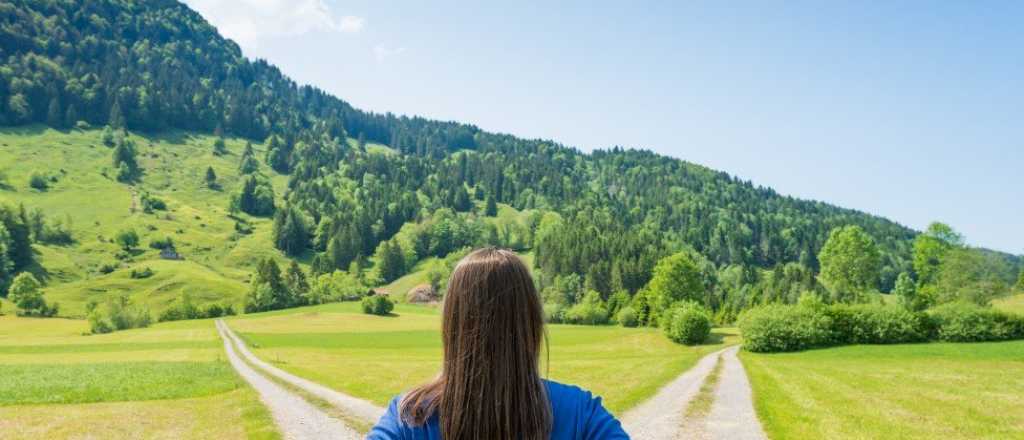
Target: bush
<point x="38" y="181"/>
<point x="165" y="243"/>
<point x="554" y="313"/>
<point x="589" y="311"/>
<point x="776" y="327"/>
<point x="876" y="324"/>
<point x="627" y="317"/>
<point x="965" y="322"/>
<point x="140" y="274"/>
<point x="686" y="323"/>
<point x="106" y="268"/>
<point x="120" y="314"/>
<point x="377" y="305"/>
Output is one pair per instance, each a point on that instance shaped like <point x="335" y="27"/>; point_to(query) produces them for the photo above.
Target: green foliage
<point x="270" y="290"/>
<point x="184" y="308"/>
<point x="291" y="234"/>
<point x="256" y="196"/>
<point x="119" y="314"/>
<point x="151" y="203"/>
<point x="849" y="264"/>
<point x="27" y="295"/>
<point x="930" y="247"/>
<point x="908" y="294"/>
<point x="219" y="148"/>
<point x="876" y="324"/>
<point x="966" y="322"/>
<point x="124" y="160"/>
<point x="377" y="305"/>
<point x="676" y="278"/>
<point x="138" y="274"/>
<point x="336" y="286"/>
<point x="777" y="327"/>
<point x="972" y="275"/>
<point x="38" y="181"/>
<point x="162" y="243"/>
<point x="127" y="239"/>
<point x="390" y="261"/>
<point x="210" y="179"/>
<point x="627" y="317"/>
<point x="686" y="323"/>
<point x="591" y="310"/>
<point x="491" y="207"/>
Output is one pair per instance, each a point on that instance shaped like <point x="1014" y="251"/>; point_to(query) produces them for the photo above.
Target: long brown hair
<point x="493" y="329"/>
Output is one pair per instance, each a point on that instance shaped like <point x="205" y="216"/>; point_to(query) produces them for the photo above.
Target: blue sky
<point x="909" y="110"/>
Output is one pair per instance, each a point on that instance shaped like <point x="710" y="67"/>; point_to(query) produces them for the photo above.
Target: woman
<point x="490" y="386"/>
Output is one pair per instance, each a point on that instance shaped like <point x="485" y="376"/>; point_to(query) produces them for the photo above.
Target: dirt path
<point x="295" y="418"/>
<point x="732" y="413"/>
<point x="350" y="406"/>
<point x="730" y="417"/>
<point x="661" y="416"/>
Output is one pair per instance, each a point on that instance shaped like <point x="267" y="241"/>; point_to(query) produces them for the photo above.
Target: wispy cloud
<point x="351" y="24"/>
<point x="251" y="21"/>
<point x="382" y="52"/>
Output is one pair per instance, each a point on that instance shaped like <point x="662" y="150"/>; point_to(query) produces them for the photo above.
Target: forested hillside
<point x="595" y="222"/>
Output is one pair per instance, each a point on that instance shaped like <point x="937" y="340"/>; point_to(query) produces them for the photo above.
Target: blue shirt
<point x="576" y="415"/>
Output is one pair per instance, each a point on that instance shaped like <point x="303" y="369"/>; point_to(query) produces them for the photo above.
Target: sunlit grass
<point x="167" y="381"/>
<point x="377" y="358"/>
<point x="924" y="391"/>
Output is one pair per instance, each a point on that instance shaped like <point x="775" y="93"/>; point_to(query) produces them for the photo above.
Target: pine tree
<point x="54" y="115"/>
<point x="492" y="206"/>
<point x="297" y="284"/>
<point x="116" y="119"/>
<point x="211" y="178"/>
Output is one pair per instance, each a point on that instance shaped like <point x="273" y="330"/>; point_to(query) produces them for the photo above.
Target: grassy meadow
<point x="377" y="357"/>
<point x="83" y="192"/>
<point x="1012" y="304"/>
<point x="168" y="381"/>
<point x="921" y="391"/>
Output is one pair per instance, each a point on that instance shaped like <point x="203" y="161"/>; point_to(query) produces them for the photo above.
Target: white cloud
<point x="250" y="21"/>
<point x="382" y="52"/>
<point x="351" y="23"/>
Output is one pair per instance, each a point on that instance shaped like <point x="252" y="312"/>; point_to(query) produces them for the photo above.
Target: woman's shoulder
<point x="579" y="414"/>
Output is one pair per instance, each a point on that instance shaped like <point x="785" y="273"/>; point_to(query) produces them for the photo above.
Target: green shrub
<point x="140" y="274"/>
<point x="627" y="317"/>
<point x="554" y="313"/>
<point x="591" y="310"/>
<point x="38" y="181"/>
<point x="686" y="323"/>
<point x="120" y="314"/>
<point x="377" y="305"/>
<point x="777" y="327"/>
<point x="965" y="322"/>
<point x="876" y="324"/>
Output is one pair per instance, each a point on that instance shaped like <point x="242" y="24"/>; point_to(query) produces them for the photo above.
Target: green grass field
<point x="1013" y="304"/>
<point x="377" y="357"/>
<point x="924" y="391"/>
<point x="217" y="260"/>
<point x="167" y="381"/>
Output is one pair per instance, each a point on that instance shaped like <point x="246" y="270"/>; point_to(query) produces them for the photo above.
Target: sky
<point x="909" y="110"/>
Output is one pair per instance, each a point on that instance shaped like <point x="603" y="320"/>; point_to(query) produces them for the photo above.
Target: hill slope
<point x="157" y="67"/>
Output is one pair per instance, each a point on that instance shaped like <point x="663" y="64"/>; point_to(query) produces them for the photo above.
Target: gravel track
<point x="295" y="417"/>
<point x="661" y="416"/>
<point x="351" y="406"/>
<point x="732" y="414"/>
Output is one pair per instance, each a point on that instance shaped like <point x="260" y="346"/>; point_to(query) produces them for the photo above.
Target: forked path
<point x="350" y="406"/>
<point x="295" y="417"/>
<point x="731" y="415"/>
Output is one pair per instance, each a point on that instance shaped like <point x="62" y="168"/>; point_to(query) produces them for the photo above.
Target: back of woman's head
<point x="493" y="329"/>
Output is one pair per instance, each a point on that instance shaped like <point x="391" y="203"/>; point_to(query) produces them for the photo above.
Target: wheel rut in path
<point x="295" y="417"/>
<point x="351" y="406"/>
<point x="731" y="415"/>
